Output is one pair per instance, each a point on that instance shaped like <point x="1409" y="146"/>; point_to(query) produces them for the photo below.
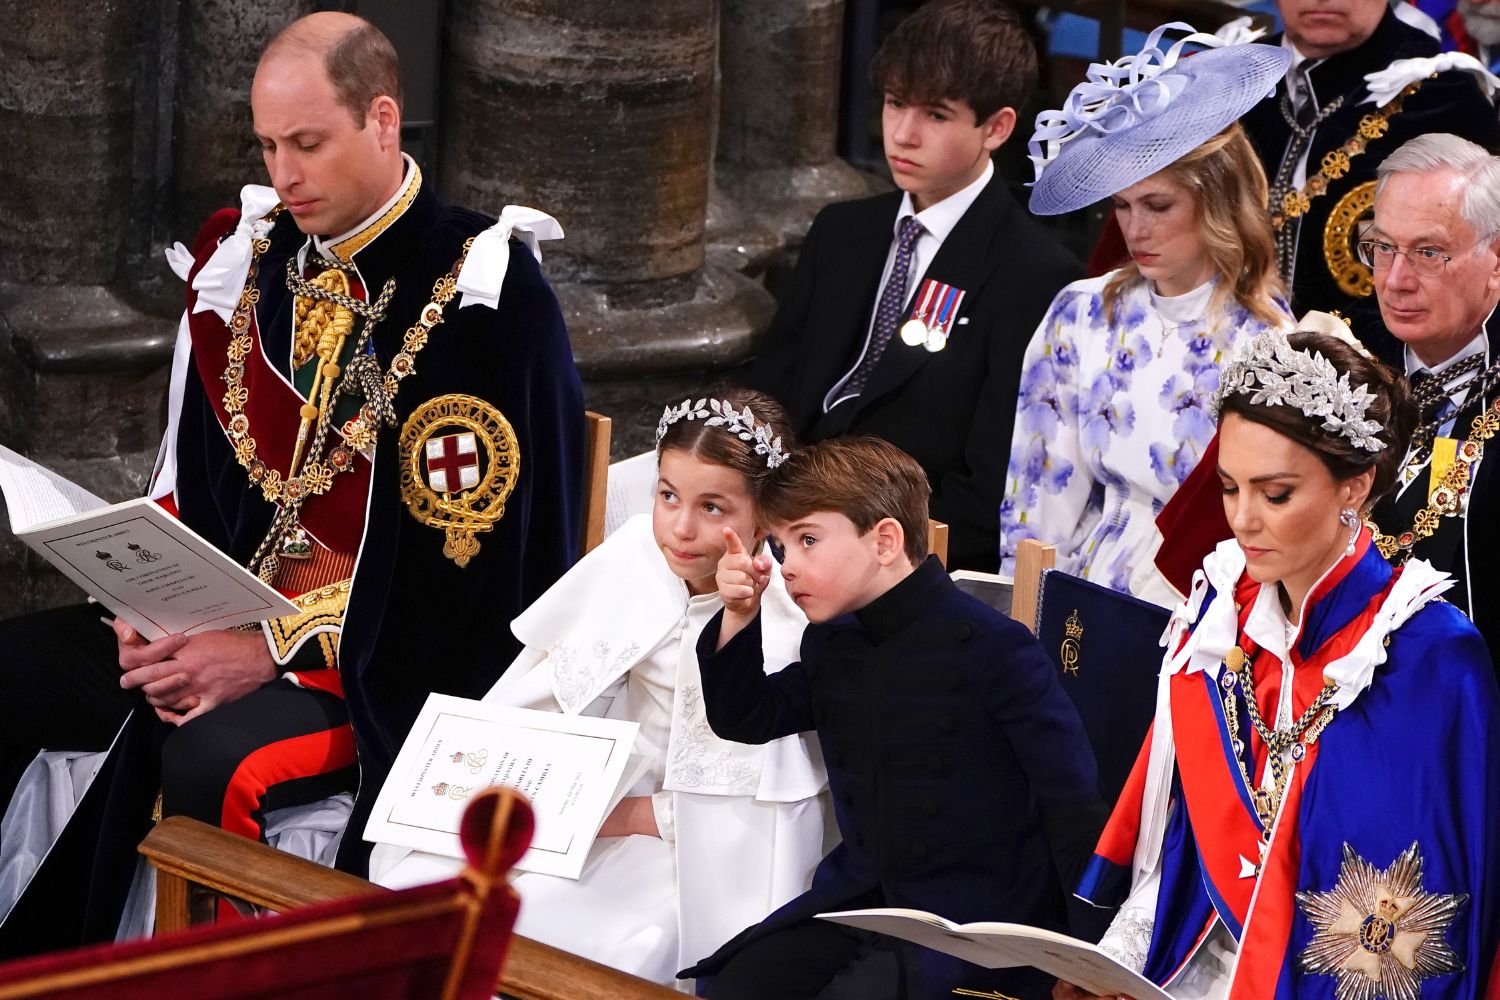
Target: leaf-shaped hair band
<point x="742" y="423"/>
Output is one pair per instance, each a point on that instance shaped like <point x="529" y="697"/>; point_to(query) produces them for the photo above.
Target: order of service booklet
<point x="154" y="572"/>
<point x="1008" y="946"/>
<point x="573" y="768"/>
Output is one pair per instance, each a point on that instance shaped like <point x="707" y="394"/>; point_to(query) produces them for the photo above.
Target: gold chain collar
<point x="316" y="475"/>
<point x="1295" y="741"/>
<point x="1447" y="499"/>
<point x="1336" y="163"/>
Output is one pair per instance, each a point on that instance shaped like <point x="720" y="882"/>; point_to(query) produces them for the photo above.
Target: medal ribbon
<point x="948" y="310"/>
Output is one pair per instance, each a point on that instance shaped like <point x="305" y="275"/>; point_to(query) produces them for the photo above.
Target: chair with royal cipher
<point x="1106" y="646"/>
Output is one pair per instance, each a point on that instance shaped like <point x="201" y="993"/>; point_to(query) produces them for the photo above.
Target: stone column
<point x="598" y="112"/>
<point x="215" y="152"/>
<point x="66" y="99"/>
<point x="80" y="366"/>
<point x="778" y="115"/>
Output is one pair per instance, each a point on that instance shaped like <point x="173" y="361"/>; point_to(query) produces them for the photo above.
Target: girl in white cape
<point x="717" y="834"/>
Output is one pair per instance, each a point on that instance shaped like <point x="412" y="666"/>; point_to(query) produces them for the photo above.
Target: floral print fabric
<point x="1113" y="413"/>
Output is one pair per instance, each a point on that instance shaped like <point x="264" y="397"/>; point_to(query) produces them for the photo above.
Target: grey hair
<point x="1480" y="206"/>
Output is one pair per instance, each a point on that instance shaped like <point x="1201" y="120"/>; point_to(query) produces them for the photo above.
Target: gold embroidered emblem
<point x="1068" y="654"/>
<point x="320" y="609"/>
<point x="1378" y="932"/>
<point x="1340" y="235"/>
<point x="459" y="463"/>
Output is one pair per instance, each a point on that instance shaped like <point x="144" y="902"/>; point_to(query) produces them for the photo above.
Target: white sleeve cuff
<point x="666" y="824"/>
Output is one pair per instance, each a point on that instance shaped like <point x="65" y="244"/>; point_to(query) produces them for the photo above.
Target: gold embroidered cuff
<point x="322" y="616"/>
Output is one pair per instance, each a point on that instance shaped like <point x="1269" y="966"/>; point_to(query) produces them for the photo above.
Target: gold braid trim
<point x="321" y="609"/>
<point x="329" y="644"/>
<point x="1336" y="163"/>
<point x="346" y="250"/>
<point x="1448" y="498"/>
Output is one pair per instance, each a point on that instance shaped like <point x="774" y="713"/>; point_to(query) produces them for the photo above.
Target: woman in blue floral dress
<point x="1113" y="410"/>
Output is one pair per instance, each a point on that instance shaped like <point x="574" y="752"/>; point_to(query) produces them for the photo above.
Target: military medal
<point x="932" y="320"/>
<point x="914" y="330"/>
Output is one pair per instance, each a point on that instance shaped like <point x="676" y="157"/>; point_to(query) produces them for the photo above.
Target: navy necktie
<point x="888" y="311"/>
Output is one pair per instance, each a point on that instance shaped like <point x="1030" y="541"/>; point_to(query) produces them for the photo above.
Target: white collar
<point x="1479" y="345"/>
<point x="939" y="219"/>
<point x="1268" y="625"/>
<point x="1297" y="59"/>
<point x="1215" y="628"/>
<point x="1182" y="308"/>
<point x="412" y="176"/>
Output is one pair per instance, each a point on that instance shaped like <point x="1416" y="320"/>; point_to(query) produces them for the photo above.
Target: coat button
<point x="964" y="632"/>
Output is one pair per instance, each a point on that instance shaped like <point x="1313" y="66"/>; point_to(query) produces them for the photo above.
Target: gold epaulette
<point x="322" y="615"/>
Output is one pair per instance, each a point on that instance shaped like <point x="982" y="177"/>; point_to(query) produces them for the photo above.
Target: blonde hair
<point x="1229" y="195"/>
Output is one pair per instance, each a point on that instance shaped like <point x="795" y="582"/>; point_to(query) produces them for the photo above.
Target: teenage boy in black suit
<point x="953" y="250"/>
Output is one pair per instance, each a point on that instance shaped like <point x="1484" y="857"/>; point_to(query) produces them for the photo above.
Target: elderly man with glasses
<point x="1434" y="248"/>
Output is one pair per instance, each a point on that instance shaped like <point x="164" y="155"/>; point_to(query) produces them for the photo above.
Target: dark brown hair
<point x="958" y="50"/>
<point x="1392" y="408"/>
<point x="712" y="443"/>
<point x="360" y="61"/>
<point x="863" y="478"/>
<point x="362" y="65"/>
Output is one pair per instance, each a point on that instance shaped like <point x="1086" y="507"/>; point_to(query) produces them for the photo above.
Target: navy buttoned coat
<point x="962" y="780"/>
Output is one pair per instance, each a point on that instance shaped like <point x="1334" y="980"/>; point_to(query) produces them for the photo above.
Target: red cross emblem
<point x="452" y="463"/>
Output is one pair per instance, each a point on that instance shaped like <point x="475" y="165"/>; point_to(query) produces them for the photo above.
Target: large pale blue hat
<point x="1141" y="113"/>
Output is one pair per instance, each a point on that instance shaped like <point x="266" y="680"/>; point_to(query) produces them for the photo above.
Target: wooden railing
<point x="196" y="864"/>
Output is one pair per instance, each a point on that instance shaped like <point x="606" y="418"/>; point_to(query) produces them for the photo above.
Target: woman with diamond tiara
<point x="1316" y="811"/>
<point x="1112" y="412"/>
<point x="717" y="834"/>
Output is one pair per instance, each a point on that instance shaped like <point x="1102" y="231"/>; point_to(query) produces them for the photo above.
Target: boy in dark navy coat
<point x="962" y="779"/>
<point x="910" y="312"/>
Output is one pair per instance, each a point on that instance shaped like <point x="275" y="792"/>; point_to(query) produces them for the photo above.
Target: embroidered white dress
<point x="1113" y="413"/>
<point x="742" y="826"/>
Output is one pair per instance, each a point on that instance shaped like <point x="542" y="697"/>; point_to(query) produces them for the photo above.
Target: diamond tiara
<point x="721" y="413"/>
<point x="1271" y="371"/>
